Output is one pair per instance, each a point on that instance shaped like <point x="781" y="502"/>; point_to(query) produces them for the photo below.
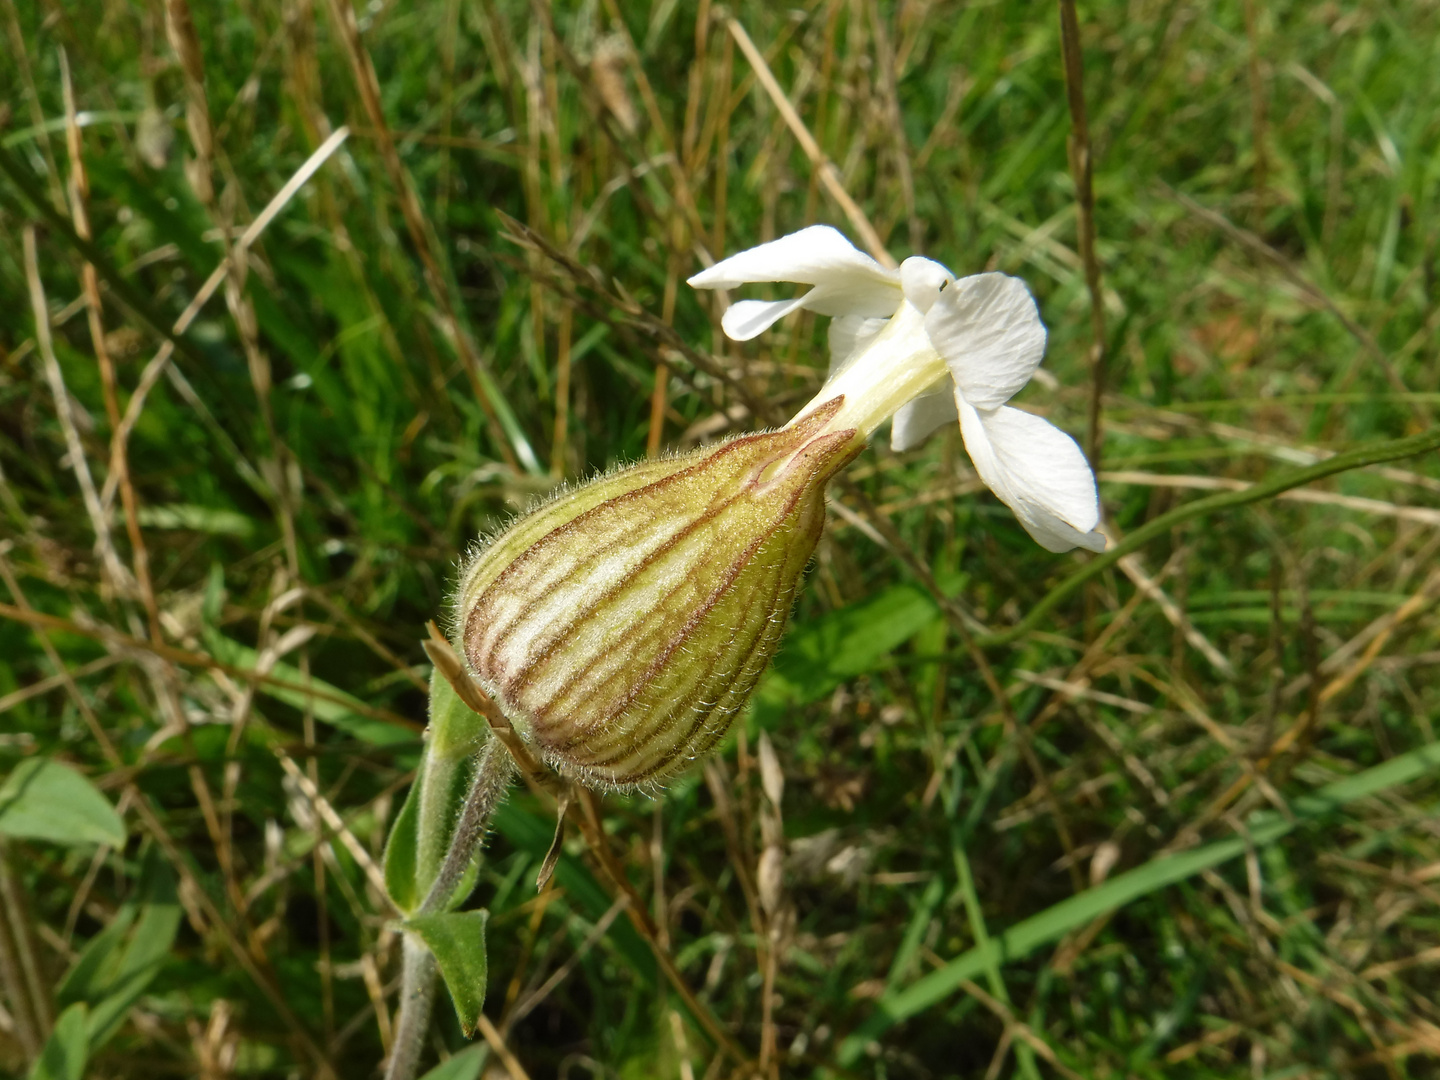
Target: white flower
<point x="927" y="348"/>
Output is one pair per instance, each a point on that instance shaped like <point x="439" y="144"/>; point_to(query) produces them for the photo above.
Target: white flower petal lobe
<point x="989" y="331"/>
<point x="746" y="319"/>
<point x="920" y="416"/>
<point x="1038" y="471"/>
<point x="922" y="279"/>
<point x="814" y="256"/>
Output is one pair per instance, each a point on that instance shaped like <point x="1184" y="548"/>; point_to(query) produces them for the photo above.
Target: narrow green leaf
<point x="1369" y="454"/>
<point x="120" y="962"/>
<point x="290" y="685"/>
<point x="44" y="800"/>
<point x="400" y="854"/>
<point x="457" y="940"/>
<point x="90" y="977"/>
<point x="63" y="1056"/>
<point x="1054" y="922"/>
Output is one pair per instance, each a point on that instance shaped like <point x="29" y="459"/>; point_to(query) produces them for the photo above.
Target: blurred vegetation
<point x="215" y="617"/>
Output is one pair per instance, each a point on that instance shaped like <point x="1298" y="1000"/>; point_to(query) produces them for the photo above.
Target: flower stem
<point x="494" y="771"/>
<point x="417" y="995"/>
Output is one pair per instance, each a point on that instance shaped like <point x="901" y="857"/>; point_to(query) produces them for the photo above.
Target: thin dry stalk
<point x="75" y="450"/>
<point x="900" y="146"/>
<point x="1081" y="167"/>
<point x="131" y="646"/>
<point x="497" y="1043"/>
<point x="202" y="909"/>
<point x="1259" y="120"/>
<point x="367" y="83"/>
<point x="158" y="364"/>
<point x="31" y="1009"/>
<point x="823" y="166"/>
<point x="119" y="461"/>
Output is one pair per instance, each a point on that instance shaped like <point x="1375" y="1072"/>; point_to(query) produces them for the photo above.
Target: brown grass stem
<point x="1081" y="171"/>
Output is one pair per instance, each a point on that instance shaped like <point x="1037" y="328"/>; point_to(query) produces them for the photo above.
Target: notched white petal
<point x="916" y="419"/>
<point x="849" y="334"/>
<point x="814" y="256"/>
<point x="1038" y="471"/>
<point x="989" y="331"/>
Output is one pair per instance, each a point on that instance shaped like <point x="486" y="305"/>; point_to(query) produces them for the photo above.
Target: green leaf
<point x="465" y="1065"/>
<point x="109" y="978"/>
<point x="204" y="519"/>
<point x="290" y="685"/>
<point x="44" y="800"/>
<point x="400" y="854"/>
<point x="63" y="1056"/>
<point x="455" y="730"/>
<point x="457" y="940"/>
<point x="1056" y="921"/>
<point x="821" y="654"/>
<point x="423" y="830"/>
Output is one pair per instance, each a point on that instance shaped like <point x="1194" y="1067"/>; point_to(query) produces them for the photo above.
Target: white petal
<point x="917" y="418"/>
<point x="922" y="279"/>
<point x="818" y="255"/>
<point x="1038" y="471"/>
<point x="746" y="319"/>
<point x="849" y="334"/>
<point x="989" y="331"/>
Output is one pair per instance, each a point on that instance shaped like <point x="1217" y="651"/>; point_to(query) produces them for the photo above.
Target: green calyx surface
<point x="623" y="625"/>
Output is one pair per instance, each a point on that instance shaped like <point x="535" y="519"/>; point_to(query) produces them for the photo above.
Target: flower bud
<point x="622" y="625"/>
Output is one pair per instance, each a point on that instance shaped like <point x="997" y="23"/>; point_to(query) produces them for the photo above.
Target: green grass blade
<point x="1053" y="923"/>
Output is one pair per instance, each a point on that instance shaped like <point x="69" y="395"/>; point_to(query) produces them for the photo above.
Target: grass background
<point x="223" y="632"/>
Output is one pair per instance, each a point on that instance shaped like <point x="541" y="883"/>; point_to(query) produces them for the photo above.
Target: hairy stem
<point x="493" y="774"/>
<point x="494" y="770"/>
<point x="417" y="995"/>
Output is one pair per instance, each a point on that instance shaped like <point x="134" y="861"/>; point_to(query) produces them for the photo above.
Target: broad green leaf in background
<point x="457" y="940"/>
<point x="44" y="800"/>
<point x="822" y="653"/>
<point x="465" y="1065"/>
<point x="63" y="1056"/>
<point x="119" y="963"/>
<point x="1054" y="922"/>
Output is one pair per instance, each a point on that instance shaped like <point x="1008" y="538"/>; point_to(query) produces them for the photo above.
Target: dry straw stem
<point x="824" y="167"/>
<point x="203" y="911"/>
<point x="75" y="449"/>
<point x="1312" y="292"/>
<point x="119" y="463"/>
<point x="1081" y="169"/>
<point x="1420" y="601"/>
